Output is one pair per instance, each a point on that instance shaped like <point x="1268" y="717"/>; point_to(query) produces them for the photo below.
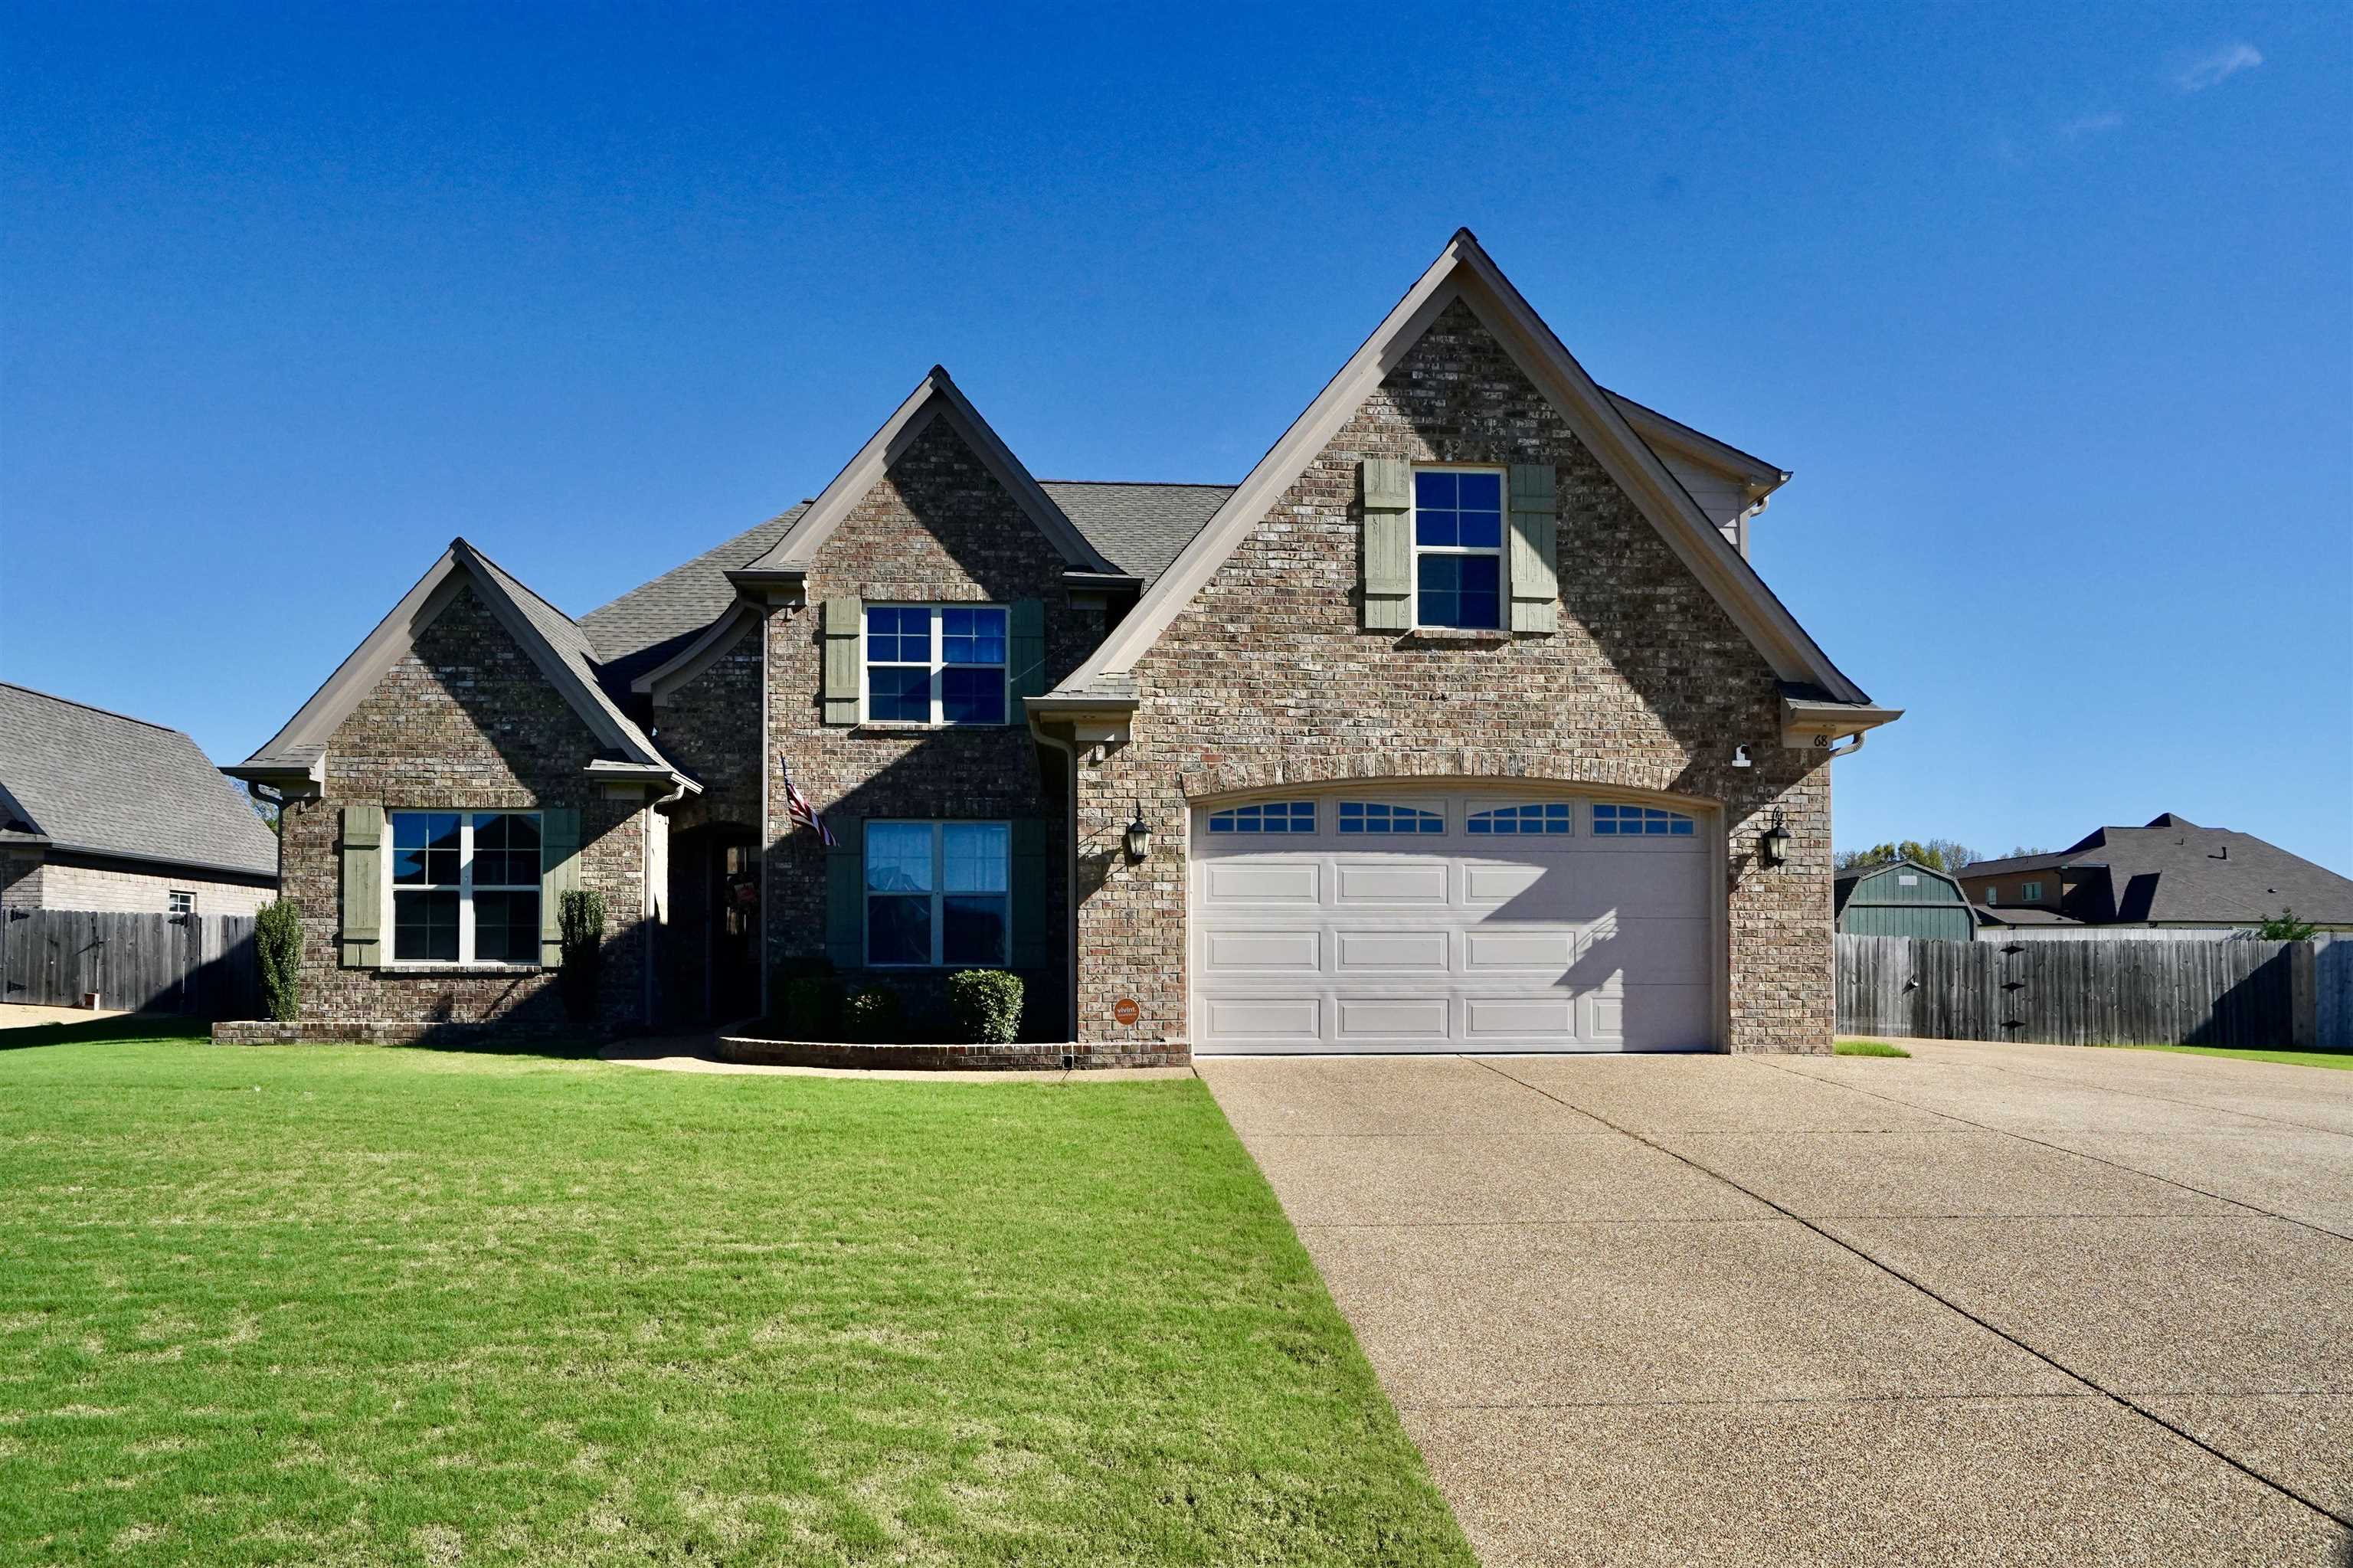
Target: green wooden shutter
<point x="1388" y="544"/>
<point x="842" y="614"/>
<point x="1535" y="554"/>
<point x="364" y="887"/>
<point x="1027" y="649"/>
<point x="845" y="895"/>
<point x="559" y="873"/>
<point x="1032" y="882"/>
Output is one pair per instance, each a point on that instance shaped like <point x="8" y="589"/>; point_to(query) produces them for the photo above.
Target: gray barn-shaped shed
<point x="1902" y="898"/>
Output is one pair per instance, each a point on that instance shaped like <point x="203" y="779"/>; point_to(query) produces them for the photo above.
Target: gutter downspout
<point x="1070" y="871"/>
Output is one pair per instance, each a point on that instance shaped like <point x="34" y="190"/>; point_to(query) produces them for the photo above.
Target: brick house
<point x="103" y="811"/>
<point x="1461" y="721"/>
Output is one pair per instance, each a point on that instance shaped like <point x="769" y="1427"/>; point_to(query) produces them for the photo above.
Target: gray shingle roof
<point x="570" y="642"/>
<point x="90" y="779"/>
<point x="2175" y="871"/>
<point x="1141" y="527"/>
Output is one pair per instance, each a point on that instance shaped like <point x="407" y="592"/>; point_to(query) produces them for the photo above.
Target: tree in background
<point x="1947" y="856"/>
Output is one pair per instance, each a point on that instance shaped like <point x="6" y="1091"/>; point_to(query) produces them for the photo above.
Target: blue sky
<point x="2050" y="314"/>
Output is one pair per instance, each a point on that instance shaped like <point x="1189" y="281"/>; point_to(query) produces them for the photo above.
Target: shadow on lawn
<point x="137" y="1026"/>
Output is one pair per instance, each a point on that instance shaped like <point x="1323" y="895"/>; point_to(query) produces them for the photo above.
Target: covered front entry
<point x="1472" y="916"/>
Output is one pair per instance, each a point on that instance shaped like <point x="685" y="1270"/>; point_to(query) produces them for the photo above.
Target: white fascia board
<point x="1754" y="473"/>
<point x="1463" y="270"/>
<point x="935" y="396"/>
<point x="691" y="661"/>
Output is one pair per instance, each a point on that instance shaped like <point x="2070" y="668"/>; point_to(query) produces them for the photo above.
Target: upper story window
<point x="182" y="901"/>
<point x="465" y="887"/>
<point x="937" y="893"/>
<point x="936" y="663"/>
<point x="1994" y="896"/>
<point x="1458" y="548"/>
<point x="1380" y="817"/>
<point x="1550" y="816"/>
<point x="2032" y="892"/>
<point x="1266" y="817"/>
<point x="1638" y="821"/>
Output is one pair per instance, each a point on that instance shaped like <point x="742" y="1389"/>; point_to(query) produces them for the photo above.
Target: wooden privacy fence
<point x="2229" y="993"/>
<point x="198" y="964"/>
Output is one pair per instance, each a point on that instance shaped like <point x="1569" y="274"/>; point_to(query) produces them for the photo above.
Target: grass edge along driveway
<point x="300" y="1304"/>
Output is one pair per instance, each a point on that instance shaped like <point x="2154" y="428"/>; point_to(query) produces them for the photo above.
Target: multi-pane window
<point x="1458" y="548"/>
<point x="936" y="663"/>
<point x="937" y="893"/>
<point x="2032" y="892"/>
<point x="182" y="902"/>
<point x="1379" y="816"/>
<point x="465" y="887"/>
<point x="1638" y="821"/>
<point x="1548" y="817"/>
<point x="1266" y="817"/>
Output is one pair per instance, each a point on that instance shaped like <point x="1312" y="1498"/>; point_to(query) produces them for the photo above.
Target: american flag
<point x="798" y="808"/>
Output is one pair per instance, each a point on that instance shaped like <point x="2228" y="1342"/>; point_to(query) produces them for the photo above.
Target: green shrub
<point x="986" y="1004"/>
<point x="278" y="945"/>
<point x="871" y="1015"/>
<point x="812" y="1008"/>
<point x="581" y="920"/>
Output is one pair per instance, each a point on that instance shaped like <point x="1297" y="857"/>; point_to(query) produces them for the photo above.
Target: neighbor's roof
<point x="2173" y="870"/>
<point x="2021" y="915"/>
<point x="87" y="778"/>
<point x="1139" y="528"/>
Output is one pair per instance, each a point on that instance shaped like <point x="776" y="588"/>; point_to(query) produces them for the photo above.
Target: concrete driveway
<point x="1994" y="1304"/>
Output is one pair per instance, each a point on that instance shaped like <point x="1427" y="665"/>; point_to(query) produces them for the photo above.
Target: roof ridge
<point x="461" y="542"/>
<point x="1156" y="483"/>
<point x="92" y="707"/>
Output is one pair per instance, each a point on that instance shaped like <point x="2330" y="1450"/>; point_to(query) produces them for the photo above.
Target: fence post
<point x="2303" y="997"/>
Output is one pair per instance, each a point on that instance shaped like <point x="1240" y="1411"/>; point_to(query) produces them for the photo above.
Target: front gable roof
<point x="1463" y="271"/>
<point x="936" y="397"/>
<point x="80" y="777"/>
<point x="296" y="756"/>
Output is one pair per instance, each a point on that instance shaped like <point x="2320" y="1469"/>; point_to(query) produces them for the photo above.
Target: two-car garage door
<point x="1464" y="919"/>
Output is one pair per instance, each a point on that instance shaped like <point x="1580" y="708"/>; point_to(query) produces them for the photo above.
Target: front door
<point x="735" y="930"/>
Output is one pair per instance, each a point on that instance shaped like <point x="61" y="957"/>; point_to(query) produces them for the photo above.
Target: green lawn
<point x="307" y="1304"/>
<point x="1868" y="1048"/>
<point x="2289" y="1058"/>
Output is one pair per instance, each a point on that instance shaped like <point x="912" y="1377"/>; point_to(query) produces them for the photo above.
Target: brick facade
<point x="1266" y="677"/>
<point x="937" y="526"/>
<point x="38" y="880"/>
<point x="465" y="722"/>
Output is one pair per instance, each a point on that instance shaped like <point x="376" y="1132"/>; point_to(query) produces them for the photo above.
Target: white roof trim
<point x="1463" y="270"/>
<point x="304" y="738"/>
<point x="936" y="396"/>
<point x="690" y="662"/>
<point x="1760" y="477"/>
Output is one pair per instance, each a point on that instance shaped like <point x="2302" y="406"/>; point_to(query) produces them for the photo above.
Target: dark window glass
<point x="506" y="927"/>
<point x="1461" y="590"/>
<point x="425" y="848"/>
<point x="425" y="927"/>
<point x="899" y="930"/>
<point x="972" y="697"/>
<point x="898" y="636"/>
<point x="972" y="636"/>
<point x="897" y="692"/>
<point x="972" y="928"/>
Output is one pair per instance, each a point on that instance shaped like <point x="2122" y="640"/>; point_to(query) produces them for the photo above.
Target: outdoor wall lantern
<point x="1139" y="837"/>
<point x="1773" y="844"/>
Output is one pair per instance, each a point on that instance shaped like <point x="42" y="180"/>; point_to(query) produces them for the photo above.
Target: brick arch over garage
<point x="1636" y="776"/>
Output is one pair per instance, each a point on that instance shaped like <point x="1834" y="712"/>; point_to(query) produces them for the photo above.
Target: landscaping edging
<point x="262" y="1031"/>
<point x="1068" y="1055"/>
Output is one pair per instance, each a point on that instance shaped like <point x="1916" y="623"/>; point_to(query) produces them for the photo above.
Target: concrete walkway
<point x="1994" y="1304"/>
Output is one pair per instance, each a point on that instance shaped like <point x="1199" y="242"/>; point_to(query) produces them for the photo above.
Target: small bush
<point x="278" y="944"/>
<point x="581" y="920"/>
<point x="812" y="1008"/>
<point x="872" y="1016"/>
<point x="986" y="1004"/>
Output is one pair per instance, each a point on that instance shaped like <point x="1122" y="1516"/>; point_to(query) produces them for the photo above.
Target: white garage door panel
<point x="1265" y="882"/>
<point x="1446" y="942"/>
<point x="1389" y="952"/>
<point x="1284" y="952"/>
<point x="1424" y="883"/>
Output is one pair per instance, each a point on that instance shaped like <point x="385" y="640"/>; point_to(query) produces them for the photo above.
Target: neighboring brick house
<point x="99" y="810"/>
<point x="1461" y="722"/>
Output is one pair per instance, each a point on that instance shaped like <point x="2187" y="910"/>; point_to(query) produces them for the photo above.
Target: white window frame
<point x="1502" y="542"/>
<point x="1386" y="829"/>
<point x="939" y="892"/>
<point x="1233" y="819"/>
<point x="866" y="665"/>
<point x="1473" y="808"/>
<point x="180" y="901"/>
<point x="464" y="888"/>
